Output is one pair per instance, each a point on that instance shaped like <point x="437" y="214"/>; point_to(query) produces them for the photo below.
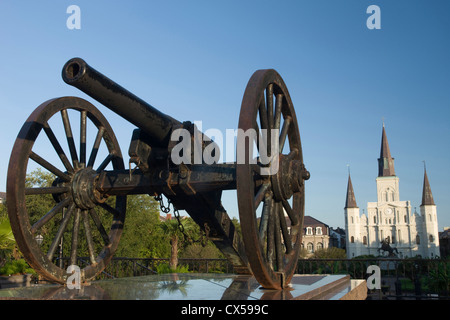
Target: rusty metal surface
<point x="271" y="241"/>
<point x="271" y="247"/>
<point x="76" y="72"/>
<point x="71" y="197"/>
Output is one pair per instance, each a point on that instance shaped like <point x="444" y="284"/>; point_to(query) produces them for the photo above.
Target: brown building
<point x="316" y="235"/>
<point x="444" y="242"/>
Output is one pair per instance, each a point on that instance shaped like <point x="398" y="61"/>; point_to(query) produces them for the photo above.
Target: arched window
<point x="431" y="238"/>
<point x="365" y="240"/>
<point x="352" y="239"/>
<point x="417" y="239"/>
<point x="319" y="245"/>
<point x="310" y="247"/>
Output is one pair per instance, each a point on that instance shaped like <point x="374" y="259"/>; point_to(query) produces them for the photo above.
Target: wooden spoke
<point x="284" y="230"/>
<point x="89" y="239"/>
<point x="271" y="239"/>
<point x="55" y="143"/>
<point x="60" y="232"/>
<point x="83" y="124"/>
<point x="69" y="136"/>
<point x="261" y="193"/>
<point x="278" y="105"/>
<point x="267" y="208"/>
<point x="47" y="165"/>
<point x="291" y="214"/>
<point x="75" y="236"/>
<point x="284" y="132"/>
<point x="105" y="162"/>
<point x="277" y="238"/>
<point x="71" y="200"/>
<point x="98" y="140"/>
<point x="46" y="190"/>
<point x="99" y="226"/>
<point x="49" y="215"/>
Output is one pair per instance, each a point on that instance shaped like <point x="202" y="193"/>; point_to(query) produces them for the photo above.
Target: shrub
<point x="164" y="268"/>
<point x="15" y="267"/>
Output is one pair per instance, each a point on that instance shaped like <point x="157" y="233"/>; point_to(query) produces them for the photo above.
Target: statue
<point x="386" y="247"/>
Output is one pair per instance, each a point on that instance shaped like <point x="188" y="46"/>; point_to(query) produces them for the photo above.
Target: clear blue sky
<point x="192" y="60"/>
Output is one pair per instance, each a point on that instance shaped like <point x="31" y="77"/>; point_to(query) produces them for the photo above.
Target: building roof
<point x="310" y="221"/>
<point x="350" y="201"/>
<point x="427" y="196"/>
<point x="385" y="162"/>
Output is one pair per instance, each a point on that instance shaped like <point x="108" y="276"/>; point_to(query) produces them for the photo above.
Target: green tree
<point x="142" y="237"/>
<point x="172" y="230"/>
<point x="7" y="242"/>
<point x="330" y="253"/>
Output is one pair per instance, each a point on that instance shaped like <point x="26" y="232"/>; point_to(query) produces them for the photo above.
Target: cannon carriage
<point x="268" y="176"/>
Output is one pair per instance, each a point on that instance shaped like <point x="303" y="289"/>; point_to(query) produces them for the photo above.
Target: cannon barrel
<point x="76" y="72"/>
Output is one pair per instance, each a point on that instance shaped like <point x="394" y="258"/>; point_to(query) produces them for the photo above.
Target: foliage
<point x="8" y="247"/>
<point x="199" y="251"/>
<point x="439" y="278"/>
<point x="164" y="268"/>
<point x="330" y="253"/>
<point x="144" y="235"/>
<point x="15" y="267"/>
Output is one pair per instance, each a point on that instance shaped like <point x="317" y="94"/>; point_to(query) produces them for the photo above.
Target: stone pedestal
<point x="199" y="287"/>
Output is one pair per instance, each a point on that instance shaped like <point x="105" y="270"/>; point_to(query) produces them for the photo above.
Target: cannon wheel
<point x="271" y="202"/>
<point x="81" y="217"/>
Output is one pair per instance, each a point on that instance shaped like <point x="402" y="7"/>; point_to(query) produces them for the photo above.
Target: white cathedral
<point x="389" y="219"/>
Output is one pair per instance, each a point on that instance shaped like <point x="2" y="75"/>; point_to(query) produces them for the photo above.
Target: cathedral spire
<point x="350" y="201"/>
<point x="427" y="196"/>
<point x="385" y="162"/>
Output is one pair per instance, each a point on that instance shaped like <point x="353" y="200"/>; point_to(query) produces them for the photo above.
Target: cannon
<point x="91" y="182"/>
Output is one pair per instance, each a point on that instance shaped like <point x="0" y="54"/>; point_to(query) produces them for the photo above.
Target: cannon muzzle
<point x="157" y="125"/>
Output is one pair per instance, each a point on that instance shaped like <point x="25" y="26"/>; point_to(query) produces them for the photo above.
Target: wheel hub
<point x="84" y="192"/>
<point x="289" y="179"/>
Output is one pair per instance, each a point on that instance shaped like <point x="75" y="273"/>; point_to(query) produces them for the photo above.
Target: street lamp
<point x="39" y="239"/>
